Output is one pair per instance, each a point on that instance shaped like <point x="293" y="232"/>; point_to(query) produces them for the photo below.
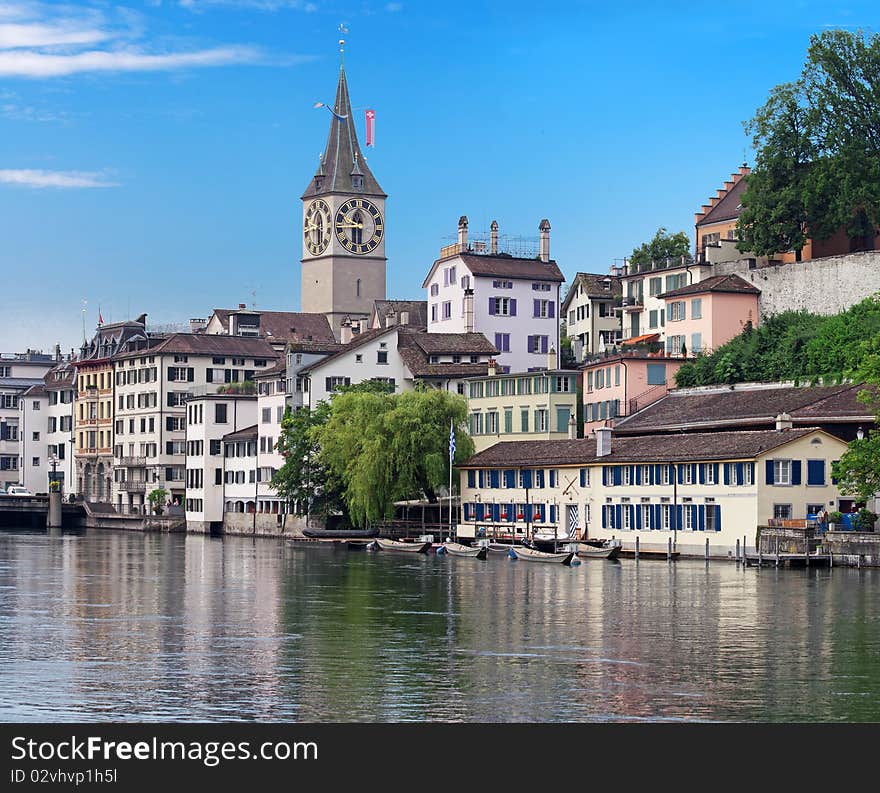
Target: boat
<point x="358" y="545"/>
<point x="588" y="551"/>
<point x="339" y="534"/>
<point x="531" y="555"/>
<point x="406" y="547"/>
<point x="457" y="549"/>
<point x="499" y="548"/>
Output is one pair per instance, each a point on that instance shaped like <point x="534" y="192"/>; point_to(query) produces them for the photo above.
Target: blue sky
<point x="152" y="152"/>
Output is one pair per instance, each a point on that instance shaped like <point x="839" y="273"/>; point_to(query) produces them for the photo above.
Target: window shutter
<point x="328" y="386"/>
<point x="638" y="517"/>
<point x="678" y="524"/>
<point x="168" y="448"/>
<point x="531" y="343"/>
<point x="617" y="474"/>
<point x="190" y="374"/>
<point x="795" y="472"/>
<point x="172" y="374"/>
<point x="543" y="344"/>
<point x="494" y="479"/>
<point x="658" y="516"/>
<point x="169" y="473"/>
<point x="513" y="307"/>
<point x="702" y="473"/>
<point x="717" y="517"/>
<point x="680" y="474"/>
<point x="701" y="512"/>
<point x="491" y="305"/>
<point x="551" y="310"/>
<point x="498" y="342"/>
<point x="604" y="516"/>
<point x="769" y="472"/>
<point x="727" y="473"/>
<point x="480" y="479"/>
<point x="527" y="477"/>
<point x="715" y="473"/>
<point x="583" y="477"/>
<point x="658" y="476"/>
<point x="618" y="516"/>
<point x="815" y="472"/>
<point x="471" y="478"/>
<point x="740" y="474"/>
<point x="638" y="475"/>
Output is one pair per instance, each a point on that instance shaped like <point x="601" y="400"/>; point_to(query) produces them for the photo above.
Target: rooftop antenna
<point x="84" y="304"/>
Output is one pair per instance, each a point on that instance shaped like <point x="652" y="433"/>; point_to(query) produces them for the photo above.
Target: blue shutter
<point x="543" y="344"/>
<point x="552" y="513"/>
<point x="769" y="471"/>
<point x="717" y="517"/>
<point x="527" y="477"/>
<point x="815" y="472"/>
<point x="702" y="474"/>
<point x="726" y="473"/>
<point x="680" y="474"/>
<point x="795" y="472"/>
<point x="605" y="476"/>
<point x="509" y="481"/>
<point x="638" y="517"/>
<point x="536" y="311"/>
<point x="551" y="310"/>
<point x="481" y="511"/>
<point x="531" y="343"/>
<point x="472" y="478"/>
<point x="740" y="474"/>
<point x="513" y="307"/>
<point x="604" y="516"/>
<point x="528" y="512"/>
<point x="494" y="479"/>
<point x="618" y="477"/>
<point x="715" y="470"/>
<point x="491" y="305"/>
<point x="498" y="342"/>
<point x="638" y="475"/>
<point x="618" y="517"/>
<point x="583" y="477"/>
<point x="552" y="477"/>
<point x="658" y="516"/>
<point x="481" y="478"/>
<point x="695" y="519"/>
<point x="678" y="522"/>
<point x="752" y="471"/>
<point x="658" y="477"/>
<point x="701" y="516"/>
<point x="539" y="474"/>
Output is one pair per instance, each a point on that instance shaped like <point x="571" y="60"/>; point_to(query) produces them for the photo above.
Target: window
<point x="357" y="359"/>
<point x="214" y="447"/>
<point x="502" y="342"/>
<point x="652" y="319"/>
<point x="710" y="474"/>
<point x="433" y="312"/>
<point x="502" y="284"/>
<point x="544" y="309"/>
<point x="447" y="309"/>
<point x="676" y="311"/>
<point x="782" y="472"/>
<point x="435" y="290"/>
<point x="563" y="384"/>
<point x="266" y="415"/>
<point x="502" y="306"/>
<point x="382" y="356"/>
<point x="332" y="383"/>
<point x="697" y="308"/>
<point x="815" y="472"/>
<point x="541" y="420"/>
<point x="688" y="511"/>
<point x="476" y="423"/>
<point x="647" y="513"/>
<point x="655" y="286"/>
<point x="696" y="343"/>
<point x="656" y="373"/>
<point x="220" y="414"/>
<point x="538" y="344"/>
<point x="492" y="422"/>
<point x="627" y="475"/>
<point x="782" y="511"/>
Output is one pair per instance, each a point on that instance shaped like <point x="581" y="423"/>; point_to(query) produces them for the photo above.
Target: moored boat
<point x="339" y="534"/>
<point x="457" y="549"/>
<point x="531" y="555"/>
<point x="499" y="548"/>
<point x="585" y="551"/>
<point x="404" y="547"/>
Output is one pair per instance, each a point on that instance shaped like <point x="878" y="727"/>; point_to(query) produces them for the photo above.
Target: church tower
<point x="343" y="226"/>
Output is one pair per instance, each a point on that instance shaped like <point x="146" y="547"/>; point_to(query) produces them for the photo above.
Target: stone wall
<point x="821" y="286"/>
<point x="854" y="548"/>
<point x="263" y="525"/>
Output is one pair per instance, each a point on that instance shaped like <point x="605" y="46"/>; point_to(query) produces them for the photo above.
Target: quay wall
<point x="854" y="548"/>
<point x="821" y="286"/>
<point x="263" y="525"/>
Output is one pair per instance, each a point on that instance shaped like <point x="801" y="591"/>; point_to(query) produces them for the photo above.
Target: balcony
<point x="633" y="303"/>
<point x="132" y="462"/>
<point x="132" y="486"/>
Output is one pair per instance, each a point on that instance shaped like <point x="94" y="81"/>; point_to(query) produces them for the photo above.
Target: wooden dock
<point x="789" y="560"/>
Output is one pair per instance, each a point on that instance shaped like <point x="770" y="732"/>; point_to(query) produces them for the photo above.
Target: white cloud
<point x="260" y="5"/>
<point x="40" y="40"/>
<point x="56" y="179"/>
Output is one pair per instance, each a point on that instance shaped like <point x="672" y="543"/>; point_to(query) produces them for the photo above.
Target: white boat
<point x="531" y="555"/>
<point x="597" y="552"/>
<point x="499" y="548"/>
<point x="457" y="549"/>
<point x="405" y="547"/>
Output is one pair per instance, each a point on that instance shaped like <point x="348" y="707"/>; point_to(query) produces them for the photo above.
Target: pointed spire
<point x="343" y="162"/>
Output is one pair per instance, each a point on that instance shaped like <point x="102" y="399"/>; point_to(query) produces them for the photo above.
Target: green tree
<point x="566" y="348"/>
<point x="157" y="498"/>
<point x="858" y="469"/>
<point x="662" y="246"/>
<point x="385" y="448"/>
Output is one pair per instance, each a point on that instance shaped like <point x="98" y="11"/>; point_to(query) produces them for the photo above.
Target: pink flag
<point x="370" y="118"/>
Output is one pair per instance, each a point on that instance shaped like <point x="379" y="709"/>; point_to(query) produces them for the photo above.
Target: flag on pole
<point x="370" y="120"/>
<point x="100" y="316"/>
<point x="451" y="442"/>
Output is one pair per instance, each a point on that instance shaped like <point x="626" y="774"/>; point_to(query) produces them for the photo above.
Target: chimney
<point x="364" y="324"/>
<point x="404" y="317"/>
<point x="468" y="310"/>
<point x="390" y="318"/>
<point x="544" y="249"/>
<point x="493" y="238"/>
<point x="603" y="441"/>
<point x="572" y="428"/>
<point x="58" y="353"/>
<point x="345" y="331"/>
<point x="551" y="359"/>
<point x="492" y="370"/>
<point x="462" y="234"/>
<point x="196" y="324"/>
<point x="784" y="422"/>
<point x="242" y="306"/>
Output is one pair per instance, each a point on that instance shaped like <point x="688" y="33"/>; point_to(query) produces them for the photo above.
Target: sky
<point x="153" y="152"/>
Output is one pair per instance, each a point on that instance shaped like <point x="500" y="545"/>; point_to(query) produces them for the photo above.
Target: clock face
<point x="316" y="227"/>
<point x="359" y="226"/>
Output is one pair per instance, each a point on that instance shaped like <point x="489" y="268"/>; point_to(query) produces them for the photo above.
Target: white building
<point x="275" y="327"/>
<point x="18" y="373"/>
<point x="591" y="311"/>
<point x="60" y="385"/>
<point x="32" y="427"/>
<point x="272" y="401"/>
<point x="240" y="487"/>
<point x="513" y="302"/>
<point x="399" y="356"/>
<point x="154" y="379"/>
<point x="208" y="418"/>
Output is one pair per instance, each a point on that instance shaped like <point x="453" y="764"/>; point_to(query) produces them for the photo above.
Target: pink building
<point x="703" y="316"/>
<point x="619" y="385"/>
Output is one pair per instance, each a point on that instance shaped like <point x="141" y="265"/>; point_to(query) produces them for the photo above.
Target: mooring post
<point x="707" y="549"/>
<point x="637" y="547"/>
<point x="737" y="550"/>
<point x="53" y="518"/>
<point x="669" y="550"/>
<point x="777" y="551"/>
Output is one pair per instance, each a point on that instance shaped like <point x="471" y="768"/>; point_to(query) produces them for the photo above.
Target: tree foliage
<point x="662" y="246"/>
<point x="817" y="144"/>
<point x="391" y="447"/>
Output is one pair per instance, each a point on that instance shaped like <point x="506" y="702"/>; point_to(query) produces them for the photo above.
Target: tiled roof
<point x="728" y="208"/>
<point x="417" y="309"/>
<point x="504" y="266"/>
<point x="725" y="406"/>
<point x="274" y="371"/>
<point x="244" y="434"/>
<point x="416" y="347"/>
<point x="205" y="344"/>
<point x="594" y="286"/>
<point x="452" y="343"/>
<point x="357" y="341"/>
<point x="716" y="283"/>
<point x="688" y="447"/>
<point x="66" y="378"/>
<point x="281" y="325"/>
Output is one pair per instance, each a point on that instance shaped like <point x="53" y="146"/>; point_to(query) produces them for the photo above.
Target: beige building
<point x="591" y="311"/>
<point x="343" y="226"/>
<point x="688" y="488"/>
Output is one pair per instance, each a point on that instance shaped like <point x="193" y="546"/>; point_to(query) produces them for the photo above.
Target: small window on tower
<point x="358" y="287"/>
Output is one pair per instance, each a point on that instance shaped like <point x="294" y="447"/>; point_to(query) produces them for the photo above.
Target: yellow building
<point x="522" y="406"/>
<point x="689" y="487"/>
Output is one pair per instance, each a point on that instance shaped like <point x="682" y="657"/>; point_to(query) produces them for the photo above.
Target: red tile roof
<point x="716" y="283"/>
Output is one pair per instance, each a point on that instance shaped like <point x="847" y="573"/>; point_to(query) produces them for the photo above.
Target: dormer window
<point x="357" y="182"/>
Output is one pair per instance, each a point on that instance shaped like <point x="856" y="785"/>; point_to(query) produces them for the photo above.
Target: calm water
<point x="127" y="626"/>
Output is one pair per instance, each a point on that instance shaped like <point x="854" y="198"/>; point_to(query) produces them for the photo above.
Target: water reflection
<point x="140" y="627"/>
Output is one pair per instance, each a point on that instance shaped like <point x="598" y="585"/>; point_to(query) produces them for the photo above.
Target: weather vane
<point x="342" y="29"/>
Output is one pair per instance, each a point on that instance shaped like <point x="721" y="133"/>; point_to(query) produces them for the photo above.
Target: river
<point x="126" y="626"/>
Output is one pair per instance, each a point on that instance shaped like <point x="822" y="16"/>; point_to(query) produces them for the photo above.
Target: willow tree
<point x="385" y="448"/>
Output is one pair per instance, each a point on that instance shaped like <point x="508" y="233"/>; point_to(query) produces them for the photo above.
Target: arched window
<point x="357" y="233"/>
<point x="358" y="287"/>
